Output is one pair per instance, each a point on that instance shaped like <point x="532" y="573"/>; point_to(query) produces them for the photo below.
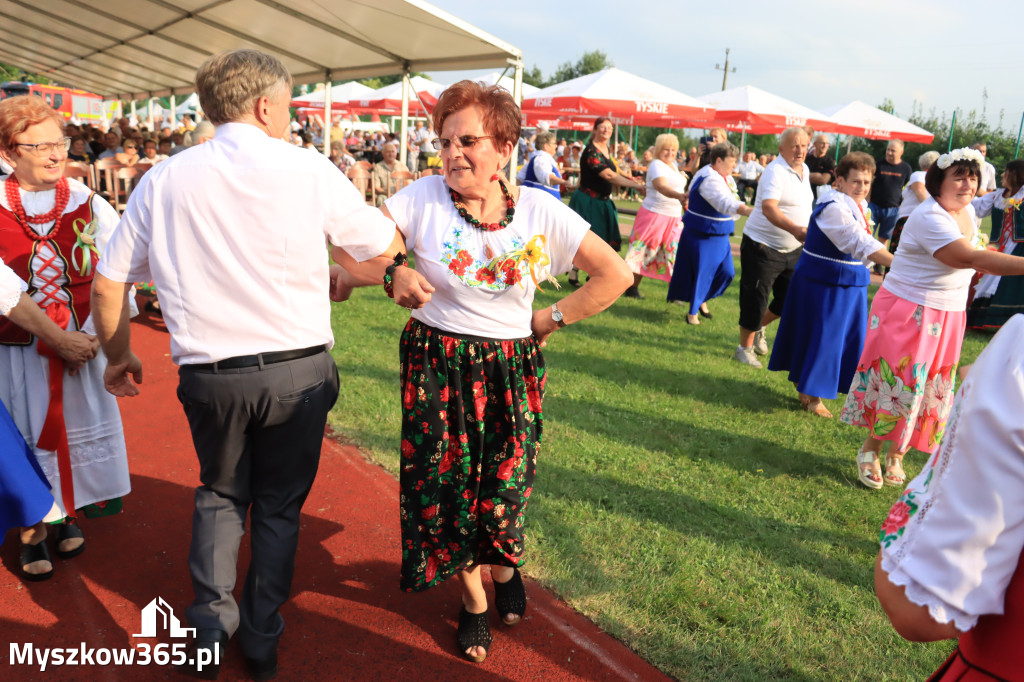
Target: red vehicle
<point x="85" y="107"/>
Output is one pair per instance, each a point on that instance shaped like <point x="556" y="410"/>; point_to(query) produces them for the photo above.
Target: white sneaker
<point x="760" y="342"/>
<point x="746" y="356"/>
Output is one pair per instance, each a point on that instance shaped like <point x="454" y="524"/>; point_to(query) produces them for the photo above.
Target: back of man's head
<point x="203" y="132"/>
<point x="229" y="83"/>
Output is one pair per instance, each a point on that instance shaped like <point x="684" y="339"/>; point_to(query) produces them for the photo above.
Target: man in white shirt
<point x="771" y="245"/>
<point x="987" y="183"/>
<point x="748" y="171"/>
<point x="233" y="235"/>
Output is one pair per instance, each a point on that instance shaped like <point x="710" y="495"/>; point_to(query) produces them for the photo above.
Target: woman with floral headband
<point x="471" y="367"/>
<point x="903" y="388"/>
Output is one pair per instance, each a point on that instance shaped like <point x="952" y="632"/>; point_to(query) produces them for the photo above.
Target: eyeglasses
<point x="47" y="148"/>
<point x="463" y="141"/>
<point x="130" y="146"/>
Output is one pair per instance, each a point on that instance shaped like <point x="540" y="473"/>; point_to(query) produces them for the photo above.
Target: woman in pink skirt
<point x="903" y="389"/>
<point x="652" y="246"/>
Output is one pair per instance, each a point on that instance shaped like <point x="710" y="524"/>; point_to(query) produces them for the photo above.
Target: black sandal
<point x="510" y="597"/>
<point x="474" y="630"/>
<point x="31" y="554"/>
<point x="69" y="530"/>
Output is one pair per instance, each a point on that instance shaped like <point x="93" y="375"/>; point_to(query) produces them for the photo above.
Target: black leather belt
<point x="260" y="359"/>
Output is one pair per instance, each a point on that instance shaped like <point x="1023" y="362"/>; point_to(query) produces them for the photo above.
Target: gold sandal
<point x="894" y="474"/>
<point x="867" y="466"/>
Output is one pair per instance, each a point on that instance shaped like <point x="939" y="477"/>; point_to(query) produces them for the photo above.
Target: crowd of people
<point x="256" y="393"/>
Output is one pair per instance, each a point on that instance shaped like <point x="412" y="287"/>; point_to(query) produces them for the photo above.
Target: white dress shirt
<point x="793" y="192"/>
<point x="718" y="190"/>
<point x="11" y="288"/>
<point x="843" y="222"/>
<point x="233" y="235"/>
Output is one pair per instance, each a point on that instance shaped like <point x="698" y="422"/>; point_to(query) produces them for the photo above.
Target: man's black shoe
<point x="262" y="670"/>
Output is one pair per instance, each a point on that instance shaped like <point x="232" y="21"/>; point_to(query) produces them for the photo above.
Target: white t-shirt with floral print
<point x="482" y="279"/>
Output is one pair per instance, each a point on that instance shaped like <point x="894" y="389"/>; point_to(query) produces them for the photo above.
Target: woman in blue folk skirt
<point x="824" y="321"/>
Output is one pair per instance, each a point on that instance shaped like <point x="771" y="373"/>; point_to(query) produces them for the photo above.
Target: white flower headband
<point x="964" y="154"/>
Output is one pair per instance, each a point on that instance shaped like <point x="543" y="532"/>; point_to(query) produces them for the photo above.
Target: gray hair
<point x="544" y="137"/>
<point x="724" y="150"/>
<point x="895" y="143"/>
<point x="789" y="133"/>
<point x="925" y="161"/>
<point x="389" y="144"/>
<point x="229" y="83"/>
<point x="203" y="129"/>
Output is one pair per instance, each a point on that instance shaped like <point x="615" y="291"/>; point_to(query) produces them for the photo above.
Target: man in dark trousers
<point x="887" y="190"/>
<point x="233" y="234"/>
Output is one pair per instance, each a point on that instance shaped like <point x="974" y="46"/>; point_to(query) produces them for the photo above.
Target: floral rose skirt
<point x="905" y="380"/>
<point x="652" y="246"/>
<point x="471" y="432"/>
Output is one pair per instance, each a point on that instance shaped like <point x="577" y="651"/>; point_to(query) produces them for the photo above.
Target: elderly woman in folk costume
<point x="472" y="370"/>
<point x="52" y="231"/>
<point x="704" y="268"/>
<point x="904" y="385"/>
<point x="825" y="317"/>
<point x="25" y="497"/>
<point x="997" y="298"/>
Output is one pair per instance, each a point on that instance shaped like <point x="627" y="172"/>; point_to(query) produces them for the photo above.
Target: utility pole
<point x="725" y="69"/>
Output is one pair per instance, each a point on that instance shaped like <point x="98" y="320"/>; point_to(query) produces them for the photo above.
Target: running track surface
<point x="347" y="618"/>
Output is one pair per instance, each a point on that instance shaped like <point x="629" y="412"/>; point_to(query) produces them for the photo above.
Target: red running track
<point x="347" y="618"/>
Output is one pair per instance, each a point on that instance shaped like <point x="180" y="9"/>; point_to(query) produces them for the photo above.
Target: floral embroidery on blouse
<point x="517" y="263"/>
<point x="899" y="517"/>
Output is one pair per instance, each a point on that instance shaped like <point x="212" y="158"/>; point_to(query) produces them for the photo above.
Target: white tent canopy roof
<point x="132" y="49"/>
<point x="340" y="95"/>
<point x="864" y="120"/>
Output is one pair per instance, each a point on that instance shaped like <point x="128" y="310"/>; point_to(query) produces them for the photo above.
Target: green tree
<point x="9" y="72"/>
<point x="534" y="77"/>
<point x="590" y="62"/>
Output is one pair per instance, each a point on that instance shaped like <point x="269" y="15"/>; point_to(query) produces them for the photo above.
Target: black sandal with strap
<point x="510" y="597"/>
<point x="69" y="530"/>
<point x="31" y="554"/>
<point x="474" y="630"/>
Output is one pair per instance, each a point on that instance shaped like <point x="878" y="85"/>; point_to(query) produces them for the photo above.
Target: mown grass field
<point x="683" y="502"/>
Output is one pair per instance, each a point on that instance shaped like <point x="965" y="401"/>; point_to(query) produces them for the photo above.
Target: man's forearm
<point x="779" y="219"/>
<point x="110" y="316"/>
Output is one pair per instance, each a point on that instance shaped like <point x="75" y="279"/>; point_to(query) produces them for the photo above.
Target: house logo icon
<point x="159" y="613"/>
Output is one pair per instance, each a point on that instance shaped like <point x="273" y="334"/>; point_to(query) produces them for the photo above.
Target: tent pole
<point x="149" y="109"/>
<point x="743" y="142"/>
<point x="952" y="128"/>
<point x="404" y="143"/>
<point x="328" y="110"/>
<point x="837" y="147"/>
<point x="1016" y="150"/>
<point x="174" y="114"/>
<point x="517" y="95"/>
<point x="134" y="117"/>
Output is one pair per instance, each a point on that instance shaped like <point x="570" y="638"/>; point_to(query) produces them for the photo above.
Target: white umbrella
<point x="757" y="112"/>
<point x="340" y="96"/>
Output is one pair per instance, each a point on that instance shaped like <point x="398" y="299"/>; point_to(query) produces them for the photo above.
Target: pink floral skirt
<point x="652" y="246"/>
<point x="905" y="380"/>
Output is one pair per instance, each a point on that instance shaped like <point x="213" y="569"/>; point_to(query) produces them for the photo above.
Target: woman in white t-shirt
<point x="913" y="194"/>
<point x="903" y="389"/>
<point x="652" y="246"/>
<point x="472" y="371"/>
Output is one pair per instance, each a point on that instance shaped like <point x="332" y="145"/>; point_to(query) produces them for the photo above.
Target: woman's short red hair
<point x="502" y="119"/>
<point x="18" y="114"/>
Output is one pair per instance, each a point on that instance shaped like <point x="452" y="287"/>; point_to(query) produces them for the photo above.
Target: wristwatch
<point x="556" y="315"/>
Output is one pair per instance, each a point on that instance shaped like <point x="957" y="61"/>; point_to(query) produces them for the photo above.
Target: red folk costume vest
<point x="992" y="649"/>
<point x="17" y="250"/>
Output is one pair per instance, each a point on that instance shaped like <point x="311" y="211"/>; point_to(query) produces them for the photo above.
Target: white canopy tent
<point x="138" y="49"/>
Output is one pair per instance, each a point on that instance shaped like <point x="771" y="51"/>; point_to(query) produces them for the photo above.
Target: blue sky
<point x="941" y="54"/>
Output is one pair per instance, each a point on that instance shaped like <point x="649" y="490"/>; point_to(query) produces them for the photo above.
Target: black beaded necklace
<point x="510" y="205"/>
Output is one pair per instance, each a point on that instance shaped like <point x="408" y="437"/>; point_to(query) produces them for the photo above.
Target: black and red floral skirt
<point x="471" y="432"/>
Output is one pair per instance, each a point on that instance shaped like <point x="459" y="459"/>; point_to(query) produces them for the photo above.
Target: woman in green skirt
<point x="592" y="200"/>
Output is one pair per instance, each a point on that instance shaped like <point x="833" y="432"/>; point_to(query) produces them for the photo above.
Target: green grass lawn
<point x="683" y="502"/>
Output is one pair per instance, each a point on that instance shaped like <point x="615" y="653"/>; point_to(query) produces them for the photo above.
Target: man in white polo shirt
<point x="234" y="235"/>
<point x="772" y="239"/>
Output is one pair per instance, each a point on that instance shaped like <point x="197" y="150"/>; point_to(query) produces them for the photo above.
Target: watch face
<point x="556" y="315"/>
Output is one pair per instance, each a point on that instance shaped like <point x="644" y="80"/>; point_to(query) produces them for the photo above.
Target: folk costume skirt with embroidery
<point x="471" y="431"/>
<point x="652" y="246"/>
<point x="905" y="380"/>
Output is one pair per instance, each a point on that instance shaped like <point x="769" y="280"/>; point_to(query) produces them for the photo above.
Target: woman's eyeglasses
<point x="47" y="148"/>
<point x="462" y="141"/>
